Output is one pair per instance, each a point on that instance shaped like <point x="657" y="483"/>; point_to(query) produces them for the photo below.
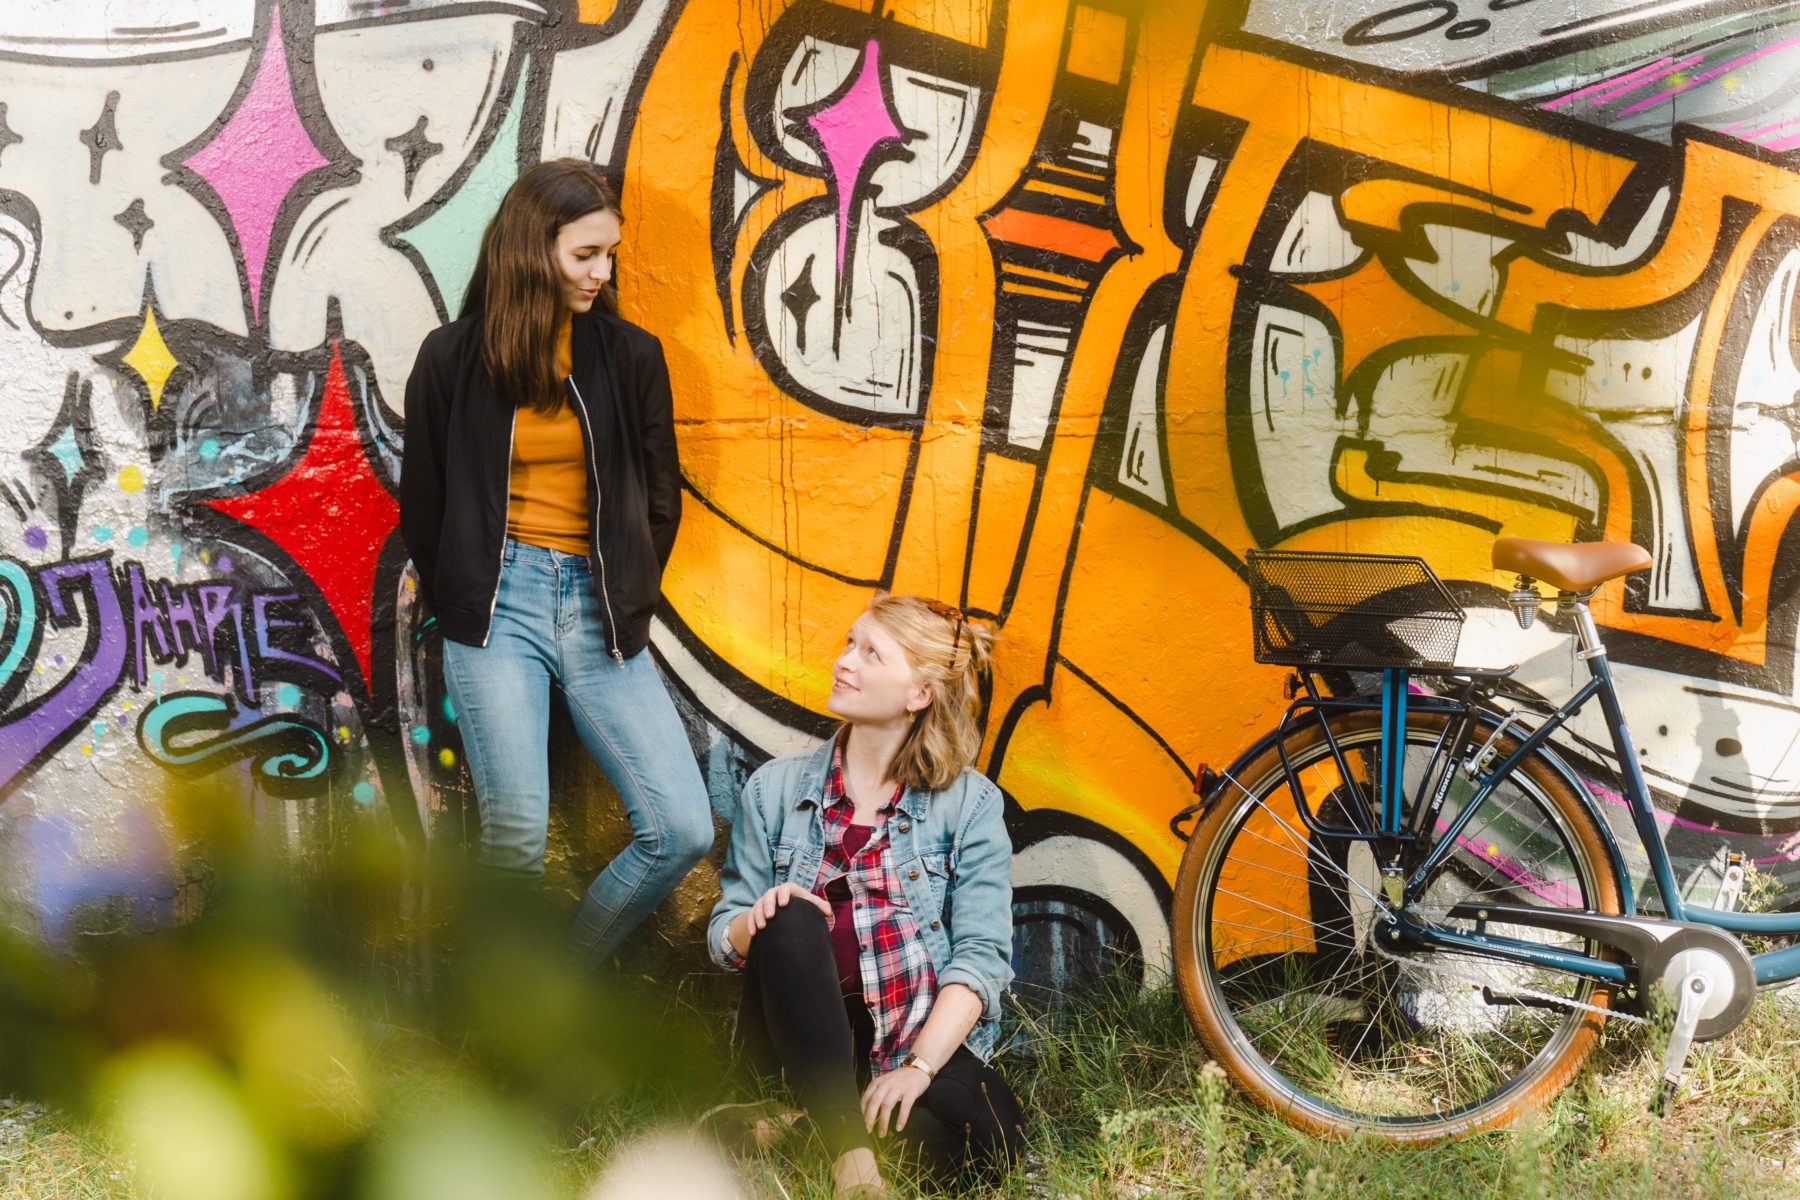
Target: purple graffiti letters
<point x="171" y="621"/>
<point x="134" y="623"/>
<point x="146" y="618"/>
<point x="269" y="624"/>
<point x="37" y="730"/>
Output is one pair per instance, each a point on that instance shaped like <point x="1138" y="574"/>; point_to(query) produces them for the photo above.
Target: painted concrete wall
<point x="1052" y="308"/>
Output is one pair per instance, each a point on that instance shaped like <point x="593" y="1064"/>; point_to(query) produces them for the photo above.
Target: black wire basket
<point x="1370" y="611"/>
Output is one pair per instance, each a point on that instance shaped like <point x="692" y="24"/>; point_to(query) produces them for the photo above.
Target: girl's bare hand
<point x="888" y="1100"/>
<point x="777" y="897"/>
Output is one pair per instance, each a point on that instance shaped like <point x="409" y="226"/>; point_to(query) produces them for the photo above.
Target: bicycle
<point x="1401" y="912"/>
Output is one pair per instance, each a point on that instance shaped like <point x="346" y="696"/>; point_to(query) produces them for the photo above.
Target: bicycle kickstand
<point x="1693" y="990"/>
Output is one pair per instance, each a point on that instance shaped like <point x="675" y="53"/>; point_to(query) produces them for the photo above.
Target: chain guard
<point x="1660" y="954"/>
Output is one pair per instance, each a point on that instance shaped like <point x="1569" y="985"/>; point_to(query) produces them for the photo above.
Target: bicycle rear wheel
<point x="1333" y="1031"/>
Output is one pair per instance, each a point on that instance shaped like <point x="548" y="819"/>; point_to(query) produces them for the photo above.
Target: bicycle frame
<point x="1387" y="827"/>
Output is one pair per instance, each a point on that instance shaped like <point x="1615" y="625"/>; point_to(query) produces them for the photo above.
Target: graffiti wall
<point x="1053" y="309"/>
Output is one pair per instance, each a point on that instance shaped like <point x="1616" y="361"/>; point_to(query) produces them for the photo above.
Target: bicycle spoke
<point x="1255" y="903"/>
<point x="1306" y="848"/>
<point x="1339" y="943"/>
<point x="1290" y="1024"/>
<point x="1299" y="959"/>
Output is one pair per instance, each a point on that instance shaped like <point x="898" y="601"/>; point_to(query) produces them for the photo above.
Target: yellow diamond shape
<point x="151" y="358"/>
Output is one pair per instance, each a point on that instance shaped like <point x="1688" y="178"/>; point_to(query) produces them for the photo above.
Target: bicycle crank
<point x="1704" y="972"/>
<point x="1662" y="954"/>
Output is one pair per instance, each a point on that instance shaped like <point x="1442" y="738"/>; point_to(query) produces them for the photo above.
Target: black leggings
<point x="794" y="1022"/>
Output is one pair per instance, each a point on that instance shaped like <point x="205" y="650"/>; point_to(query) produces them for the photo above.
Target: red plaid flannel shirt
<point x="899" y="983"/>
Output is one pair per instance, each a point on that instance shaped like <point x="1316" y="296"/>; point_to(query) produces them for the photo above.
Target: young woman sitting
<point x="868" y="902"/>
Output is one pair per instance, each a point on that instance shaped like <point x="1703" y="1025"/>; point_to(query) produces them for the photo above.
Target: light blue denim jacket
<point x="950" y="848"/>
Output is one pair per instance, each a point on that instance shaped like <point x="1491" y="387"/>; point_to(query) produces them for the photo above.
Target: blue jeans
<point x="547" y="633"/>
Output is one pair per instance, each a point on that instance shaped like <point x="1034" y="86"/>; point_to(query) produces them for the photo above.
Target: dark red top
<point x="890" y="952"/>
<point x="843" y="921"/>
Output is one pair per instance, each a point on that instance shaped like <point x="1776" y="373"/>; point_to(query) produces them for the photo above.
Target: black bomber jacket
<point x="457" y="463"/>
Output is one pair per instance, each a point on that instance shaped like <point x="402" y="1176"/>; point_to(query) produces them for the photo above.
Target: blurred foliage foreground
<point x="375" y="1024"/>
<point x="372" y="1024"/>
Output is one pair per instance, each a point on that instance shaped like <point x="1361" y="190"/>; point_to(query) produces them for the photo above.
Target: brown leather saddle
<point x="1570" y="566"/>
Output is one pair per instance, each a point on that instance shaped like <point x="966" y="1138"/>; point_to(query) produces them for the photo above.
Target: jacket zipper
<point x="612" y="626"/>
<point x="512" y="431"/>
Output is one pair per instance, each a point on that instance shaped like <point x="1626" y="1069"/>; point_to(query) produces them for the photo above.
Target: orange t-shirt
<point x="548" y="501"/>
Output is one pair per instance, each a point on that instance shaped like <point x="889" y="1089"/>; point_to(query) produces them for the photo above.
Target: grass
<point x="1124" y="1105"/>
<point x="280" y="1046"/>
<point x="46" y="1155"/>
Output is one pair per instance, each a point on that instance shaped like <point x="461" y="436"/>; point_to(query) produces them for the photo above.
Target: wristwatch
<point x="726" y="944"/>
<point x="913" y="1060"/>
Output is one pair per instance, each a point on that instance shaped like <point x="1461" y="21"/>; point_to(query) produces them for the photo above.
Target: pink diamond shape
<point x="257" y="157"/>
<point x="850" y="130"/>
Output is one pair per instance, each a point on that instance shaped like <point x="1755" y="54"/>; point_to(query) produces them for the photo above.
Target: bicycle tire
<point x="1399" y="1074"/>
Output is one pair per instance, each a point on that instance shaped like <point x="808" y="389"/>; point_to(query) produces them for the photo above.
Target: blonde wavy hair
<point x="951" y="655"/>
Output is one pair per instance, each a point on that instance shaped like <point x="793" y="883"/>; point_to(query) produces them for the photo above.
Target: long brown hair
<point x="951" y="654"/>
<point x="517" y="284"/>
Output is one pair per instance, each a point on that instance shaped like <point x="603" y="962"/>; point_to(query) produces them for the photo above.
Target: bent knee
<point x="677" y="837"/>
<point x="795" y="923"/>
<point x="690" y="840"/>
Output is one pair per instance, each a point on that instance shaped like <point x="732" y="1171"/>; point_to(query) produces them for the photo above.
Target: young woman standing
<point x="867" y="897"/>
<point x="539" y="499"/>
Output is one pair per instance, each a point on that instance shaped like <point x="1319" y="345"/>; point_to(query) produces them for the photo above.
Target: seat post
<point x="1587" y="634"/>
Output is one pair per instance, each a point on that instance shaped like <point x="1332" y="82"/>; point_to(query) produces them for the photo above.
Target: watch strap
<point x="913" y="1060"/>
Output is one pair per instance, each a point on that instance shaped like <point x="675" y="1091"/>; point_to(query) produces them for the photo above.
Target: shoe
<point x="864" y="1191"/>
<point x="748" y="1126"/>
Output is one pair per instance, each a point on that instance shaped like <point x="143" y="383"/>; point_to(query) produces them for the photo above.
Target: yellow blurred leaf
<point x="177" y="1117"/>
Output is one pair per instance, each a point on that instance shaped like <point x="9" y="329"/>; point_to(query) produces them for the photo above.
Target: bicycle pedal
<point x="1667" y="1091"/>
<point x="1717" y="882"/>
<point x="1692" y="994"/>
<point x="1731" y="888"/>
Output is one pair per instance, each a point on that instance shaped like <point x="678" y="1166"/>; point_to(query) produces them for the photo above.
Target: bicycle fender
<point x="1220" y="780"/>
<point x="1211" y="784"/>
